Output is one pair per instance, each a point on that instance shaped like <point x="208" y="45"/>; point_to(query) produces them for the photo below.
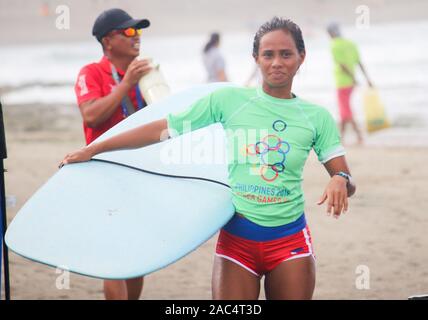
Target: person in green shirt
<point x="345" y="57"/>
<point x="268" y="236"/>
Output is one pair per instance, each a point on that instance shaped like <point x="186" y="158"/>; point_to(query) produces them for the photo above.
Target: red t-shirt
<point x="95" y="81"/>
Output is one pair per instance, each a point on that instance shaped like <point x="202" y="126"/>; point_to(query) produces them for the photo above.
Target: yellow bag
<point x="374" y="111"/>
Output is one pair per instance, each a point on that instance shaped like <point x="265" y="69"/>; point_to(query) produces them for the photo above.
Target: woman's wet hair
<point x="279" y="24"/>
<point x="214" y="40"/>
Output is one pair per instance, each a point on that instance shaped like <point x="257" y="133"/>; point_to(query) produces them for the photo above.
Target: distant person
<point x="345" y="57"/>
<point x="213" y="60"/>
<point x="107" y="92"/>
<point x="44" y="10"/>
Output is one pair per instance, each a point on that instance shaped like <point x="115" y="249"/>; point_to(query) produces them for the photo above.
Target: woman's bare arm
<point x="142" y="136"/>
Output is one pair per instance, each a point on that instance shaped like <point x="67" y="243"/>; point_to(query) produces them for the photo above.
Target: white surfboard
<point x="105" y="220"/>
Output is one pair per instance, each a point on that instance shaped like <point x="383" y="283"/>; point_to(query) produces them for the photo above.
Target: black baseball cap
<point x="114" y="19"/>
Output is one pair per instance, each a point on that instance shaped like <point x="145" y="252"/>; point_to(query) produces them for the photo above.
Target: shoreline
<point x="37" y="119"/>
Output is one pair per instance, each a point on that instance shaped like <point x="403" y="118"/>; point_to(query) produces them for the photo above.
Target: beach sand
<point x="382" y="231"/>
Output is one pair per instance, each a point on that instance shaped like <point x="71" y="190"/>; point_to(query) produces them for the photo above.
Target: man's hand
<point x="136" y="70"/>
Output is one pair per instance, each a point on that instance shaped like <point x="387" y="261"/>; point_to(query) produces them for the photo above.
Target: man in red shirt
<point x="107" y="92"/>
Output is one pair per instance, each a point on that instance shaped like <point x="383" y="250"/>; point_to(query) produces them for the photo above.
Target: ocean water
<point x="394" y="55"/>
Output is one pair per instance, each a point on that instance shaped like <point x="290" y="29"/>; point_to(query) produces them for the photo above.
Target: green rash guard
<point x="345" y="53"/>
<point x="268" y="142"/>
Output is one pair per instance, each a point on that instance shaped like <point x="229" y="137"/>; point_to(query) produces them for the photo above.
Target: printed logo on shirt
<point x="279" y="125"/>
<point x="261" y="194"/>
<point x="262" y="199"/>
<point x="271" y="152"/>
<point x="82" y="85"/>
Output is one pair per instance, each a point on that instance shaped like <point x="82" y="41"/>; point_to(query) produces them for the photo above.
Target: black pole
<point x="3" y="155"/>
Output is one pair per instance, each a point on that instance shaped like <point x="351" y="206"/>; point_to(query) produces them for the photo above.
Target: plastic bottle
<point x="153" y="85"/>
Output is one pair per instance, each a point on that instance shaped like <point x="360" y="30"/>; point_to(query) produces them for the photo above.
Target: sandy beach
<point x="383" y="230"/>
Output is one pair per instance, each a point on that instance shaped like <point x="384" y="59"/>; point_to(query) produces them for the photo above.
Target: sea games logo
<point x="272" y="153"/>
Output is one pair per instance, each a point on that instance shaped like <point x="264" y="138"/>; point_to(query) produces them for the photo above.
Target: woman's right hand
<point x="80" y="155"/>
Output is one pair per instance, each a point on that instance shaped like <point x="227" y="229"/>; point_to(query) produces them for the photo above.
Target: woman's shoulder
<point x="310" y="104"/>
<point x="314" y="110"/>
<point x="232" y="96"/>
<point x="212" y="52"/>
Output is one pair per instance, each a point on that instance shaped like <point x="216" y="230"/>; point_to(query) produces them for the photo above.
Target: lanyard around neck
<point x="127" y="106"/>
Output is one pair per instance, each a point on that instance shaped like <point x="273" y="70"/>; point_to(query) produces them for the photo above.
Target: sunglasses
<point x="130" y="32"/>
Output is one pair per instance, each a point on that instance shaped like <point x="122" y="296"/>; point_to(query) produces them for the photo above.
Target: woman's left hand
<point x="336" y="194"/>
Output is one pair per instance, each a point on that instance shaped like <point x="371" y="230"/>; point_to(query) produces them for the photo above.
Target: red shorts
<point x="344" y="100"/>
<point x="261" y="257"/>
